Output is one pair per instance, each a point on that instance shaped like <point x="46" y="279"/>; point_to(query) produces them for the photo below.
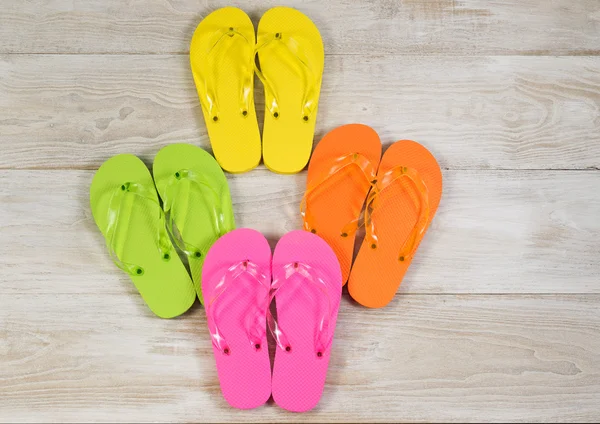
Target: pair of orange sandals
<point x="400" y="193"/>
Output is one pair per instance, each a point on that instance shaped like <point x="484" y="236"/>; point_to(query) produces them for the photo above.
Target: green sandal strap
<point x="202" y="186"/>
<point x="114" y="216"/>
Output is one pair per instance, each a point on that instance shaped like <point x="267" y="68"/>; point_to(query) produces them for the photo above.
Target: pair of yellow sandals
<point x="223" y="55"/>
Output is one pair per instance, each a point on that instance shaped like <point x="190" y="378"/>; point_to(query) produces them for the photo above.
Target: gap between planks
<point x="495" y="231"/>
<point x="471" y="113"/>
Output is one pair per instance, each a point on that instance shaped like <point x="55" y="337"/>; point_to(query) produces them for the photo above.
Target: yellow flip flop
<point x="291" y="58"/>
<point x="222" y="61"/>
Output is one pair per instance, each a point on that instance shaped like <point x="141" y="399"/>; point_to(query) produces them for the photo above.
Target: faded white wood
<point x="448" y="27"/>
<point x="498" y="318"/>
<point x="72" y="111"/>
<point x="101" y="357"/>
<point x="495" y="232"/>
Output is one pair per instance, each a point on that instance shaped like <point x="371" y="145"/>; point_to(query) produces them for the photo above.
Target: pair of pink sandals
<point x="240" y="281"/>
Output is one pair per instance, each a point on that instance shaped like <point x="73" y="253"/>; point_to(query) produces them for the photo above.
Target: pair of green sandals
<point x="148" y="238"/>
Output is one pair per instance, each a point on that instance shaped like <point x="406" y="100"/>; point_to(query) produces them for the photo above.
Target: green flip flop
<point x="197" y="202"/>
<point x="126" y="209"/>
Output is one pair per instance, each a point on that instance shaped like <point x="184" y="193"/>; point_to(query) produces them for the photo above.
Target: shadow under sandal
<point x="307" y="289"/>
<point x="125" y="207"/>
<point x="236" y="281"/>
<point x="196" y="199"/>
<point x="400" y="207"/>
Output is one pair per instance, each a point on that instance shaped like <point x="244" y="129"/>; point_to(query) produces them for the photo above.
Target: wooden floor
<point x="499" y="316"/>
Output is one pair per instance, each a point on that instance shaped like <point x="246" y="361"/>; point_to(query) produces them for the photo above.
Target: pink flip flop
<point x="236" y="280"/>
<point x="307" y="287"/>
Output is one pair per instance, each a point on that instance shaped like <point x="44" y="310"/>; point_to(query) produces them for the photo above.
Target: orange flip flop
<point x="399" y="209"/>
<point x="340" y="172"/>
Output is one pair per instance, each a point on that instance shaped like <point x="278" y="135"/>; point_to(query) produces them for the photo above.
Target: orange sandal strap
<point x="422" y="202"/>
<point x="342" y="164"/>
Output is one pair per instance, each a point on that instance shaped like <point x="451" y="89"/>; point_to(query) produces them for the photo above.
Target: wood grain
<point x="60" y="111"/>
<point x="447" y="27"/>
<point x="495" y="232"/>
<point x="498" y="318"/>
<point x="423" y="358"/>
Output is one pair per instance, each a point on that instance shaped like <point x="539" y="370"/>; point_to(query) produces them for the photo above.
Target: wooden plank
<point x="473" y="27"/>
<point x="100" y="357"/>
<point x="495" y="232"/>
<point x="492" y="112"/>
